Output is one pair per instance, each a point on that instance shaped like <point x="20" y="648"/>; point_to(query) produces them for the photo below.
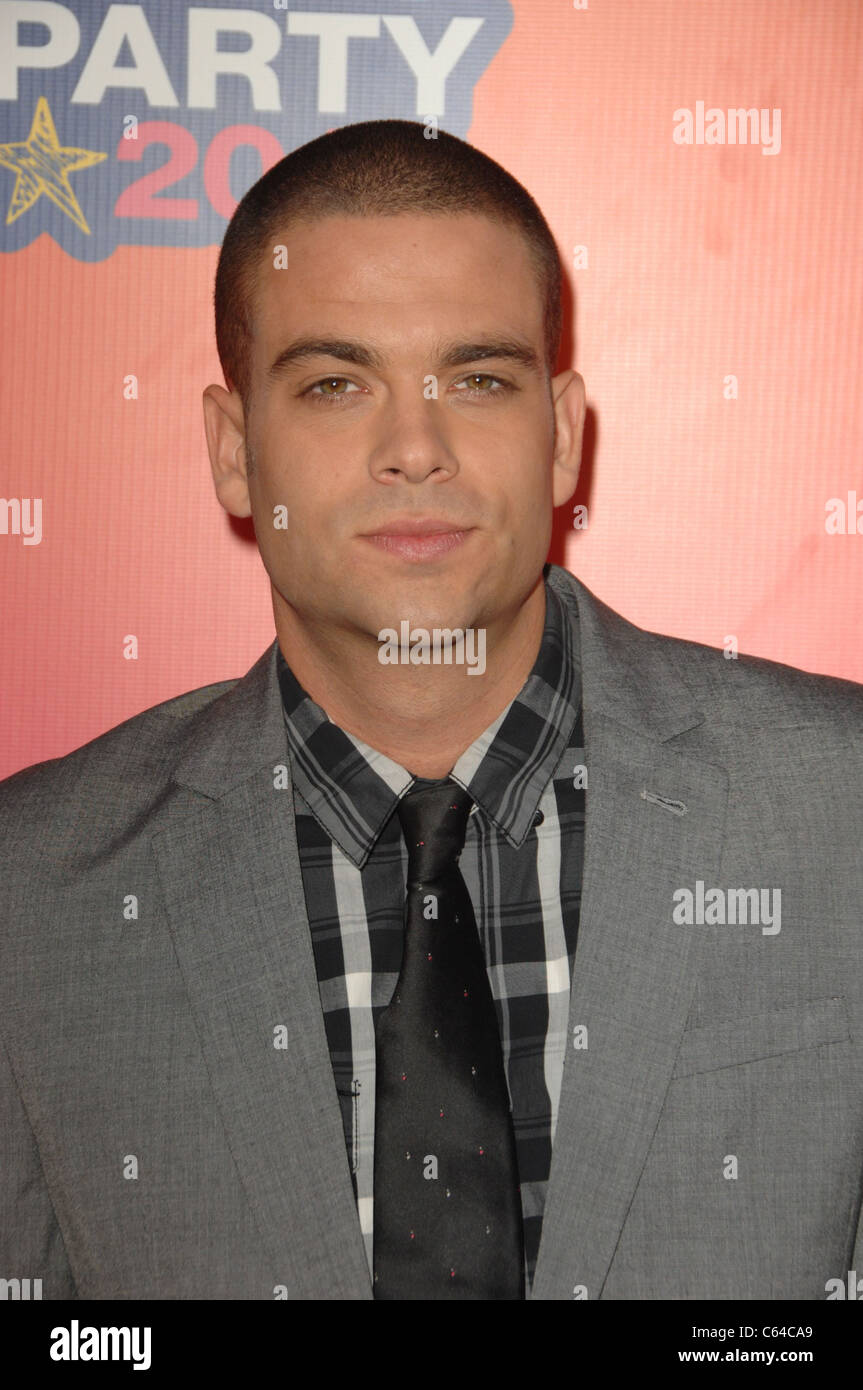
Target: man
<point x="475" y="944"/>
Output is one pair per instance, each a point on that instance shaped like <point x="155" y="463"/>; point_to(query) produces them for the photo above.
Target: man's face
<point x="414" y="411"/>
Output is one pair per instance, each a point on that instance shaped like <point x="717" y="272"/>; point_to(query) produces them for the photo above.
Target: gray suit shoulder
<point x="758" y="686"/>
<point x="741" y="690"/>
<point x="140" y="753"/>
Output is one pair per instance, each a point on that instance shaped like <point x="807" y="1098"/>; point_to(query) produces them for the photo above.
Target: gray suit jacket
<point x="709" y="1143"/>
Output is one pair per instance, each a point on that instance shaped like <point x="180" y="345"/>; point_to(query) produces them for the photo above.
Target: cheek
<point x="298" y="503"/>
<point x="525" y="471"/>
<point x="528" y="436"/>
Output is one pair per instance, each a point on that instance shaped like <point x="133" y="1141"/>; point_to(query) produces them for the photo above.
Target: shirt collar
<point x="352" y="789"/>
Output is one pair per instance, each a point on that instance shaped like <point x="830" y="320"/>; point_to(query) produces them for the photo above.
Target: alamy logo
<point x="22" y="516"/>
<point x="728" y="906"/>
<point x="738" y="125"/>
<point x="421" y="647"/>
<point x="20" y="1290"/>
<point x="849" y="1288"/>
<point x="76" y="1343"/>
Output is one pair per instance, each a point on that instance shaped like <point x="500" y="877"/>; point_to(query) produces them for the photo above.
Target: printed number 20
<point x="138" y="200"/>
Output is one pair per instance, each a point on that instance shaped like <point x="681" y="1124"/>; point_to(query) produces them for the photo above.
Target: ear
<point x="224" y="425"/>
<point x="568" y="398"/>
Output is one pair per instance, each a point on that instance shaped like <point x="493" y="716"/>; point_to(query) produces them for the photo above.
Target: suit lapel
<point x="633" y="976"/>
<point x="232" y="883"/>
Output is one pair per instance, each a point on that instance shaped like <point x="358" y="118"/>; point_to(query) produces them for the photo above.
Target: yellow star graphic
<point x="42" y="165"/>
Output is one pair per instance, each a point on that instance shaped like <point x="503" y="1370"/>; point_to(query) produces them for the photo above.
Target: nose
<point x="412" y="440"/>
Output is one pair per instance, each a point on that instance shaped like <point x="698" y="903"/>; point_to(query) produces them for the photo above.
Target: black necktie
<point x="447" y="1208"/>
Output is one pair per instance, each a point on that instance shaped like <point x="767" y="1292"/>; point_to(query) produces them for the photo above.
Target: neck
<point x="422" y="716"/>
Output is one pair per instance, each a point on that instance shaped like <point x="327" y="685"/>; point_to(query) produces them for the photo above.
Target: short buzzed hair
<point x="372" y="169"/>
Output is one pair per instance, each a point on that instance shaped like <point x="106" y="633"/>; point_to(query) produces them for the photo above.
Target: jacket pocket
<point x="750" y="1039"/>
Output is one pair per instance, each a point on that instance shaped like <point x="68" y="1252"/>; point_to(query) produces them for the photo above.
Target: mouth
<point x="413" y="538"/>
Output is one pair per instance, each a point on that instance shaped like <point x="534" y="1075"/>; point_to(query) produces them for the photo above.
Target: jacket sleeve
<point x="31" y="1242"/>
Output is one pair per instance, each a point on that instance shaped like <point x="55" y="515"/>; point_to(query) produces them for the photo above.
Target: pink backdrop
<point x="706" y="514"/>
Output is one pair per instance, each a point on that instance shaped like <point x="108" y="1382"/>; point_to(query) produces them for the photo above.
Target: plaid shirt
<point x="522" y="864"/>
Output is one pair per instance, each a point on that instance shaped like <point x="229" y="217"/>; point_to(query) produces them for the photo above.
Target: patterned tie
<point x="447" y="1208"/>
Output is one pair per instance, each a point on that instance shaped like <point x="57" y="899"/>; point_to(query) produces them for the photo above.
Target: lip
<point x="416" y="526"/>
<point x="423" y="541"/>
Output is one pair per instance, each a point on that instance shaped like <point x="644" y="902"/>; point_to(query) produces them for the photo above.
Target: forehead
<point x="410" y="277"/>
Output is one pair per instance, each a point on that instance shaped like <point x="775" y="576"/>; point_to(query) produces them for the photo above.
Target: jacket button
<point x="538" y="818"/>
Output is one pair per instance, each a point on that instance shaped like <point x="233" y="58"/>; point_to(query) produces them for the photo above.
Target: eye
<point x="327" y="394"/>
<point x="474" y="388"/>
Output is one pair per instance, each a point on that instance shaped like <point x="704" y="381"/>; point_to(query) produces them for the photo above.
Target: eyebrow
<point x="451" y="354"/>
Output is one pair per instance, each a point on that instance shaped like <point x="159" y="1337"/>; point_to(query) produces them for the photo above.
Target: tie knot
<point x="433" y="818"/>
